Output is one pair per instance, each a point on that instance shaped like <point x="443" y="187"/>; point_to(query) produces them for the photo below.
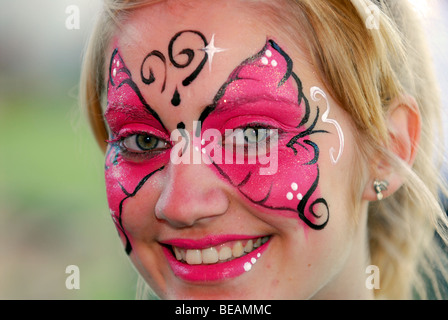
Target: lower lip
<point x="214" y="272"/>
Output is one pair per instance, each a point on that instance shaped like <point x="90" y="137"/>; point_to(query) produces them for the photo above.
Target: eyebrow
<point x="118" y="114"/>
<point x="241" y="100"/>
<point x="137" y="91"/>
<point x="244" y="98"/>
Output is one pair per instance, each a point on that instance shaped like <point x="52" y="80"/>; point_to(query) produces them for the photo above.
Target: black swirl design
<point x="147" y="73"/>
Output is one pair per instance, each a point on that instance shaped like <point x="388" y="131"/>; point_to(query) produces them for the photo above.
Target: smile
<point x="214" y="259"/>
<point x="221" y="253"/>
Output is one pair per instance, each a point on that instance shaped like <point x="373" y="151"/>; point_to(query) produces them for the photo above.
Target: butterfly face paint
<point x="261" y="92"/>
<point x="264" y="90"/>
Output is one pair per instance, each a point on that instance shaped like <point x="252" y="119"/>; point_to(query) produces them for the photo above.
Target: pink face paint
<point x="127" y="114"/>
<point x="264" y="90"/>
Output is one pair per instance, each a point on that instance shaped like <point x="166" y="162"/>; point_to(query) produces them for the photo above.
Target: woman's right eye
<point x="140" y="143"/>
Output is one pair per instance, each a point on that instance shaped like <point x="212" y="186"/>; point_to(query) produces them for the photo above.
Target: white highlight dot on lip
<point x="253" y="260"/>
<point x="264" y="60"/>
<point x="247" y="266"/>
<point x="114" y="73"/>
<point x="299" y="196"/>
<point x="274" y="63"/>
<point x="268" y="53"/>
<point x="294" y="186"/>
<point x="289" y="196"/>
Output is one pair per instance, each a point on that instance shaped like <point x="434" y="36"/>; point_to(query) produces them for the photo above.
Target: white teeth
<point x="249" y="246"/>
<point x="177" y="253"/>
<point x="194" y="257"/>
<point x="183" y="254"/>
<point x="238" y="250"/>
<point x="209" y="255"/>
<point x="225" y="253"/>
<point x="221" y="253"/>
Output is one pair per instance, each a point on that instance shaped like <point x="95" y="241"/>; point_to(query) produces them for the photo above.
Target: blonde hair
<point x="365" y="67"/>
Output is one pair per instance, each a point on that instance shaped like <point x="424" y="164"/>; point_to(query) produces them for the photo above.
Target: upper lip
<point x="206" y="242"/>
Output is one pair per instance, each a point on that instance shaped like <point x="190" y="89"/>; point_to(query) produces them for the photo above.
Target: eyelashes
<point x="251" y="135"/>
<point x="254" y="137"/>
<point x="141" y="145"/>
<point x="138" y="146"/>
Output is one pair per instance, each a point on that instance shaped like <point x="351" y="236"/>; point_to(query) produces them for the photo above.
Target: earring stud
<point x="379" y="187"/>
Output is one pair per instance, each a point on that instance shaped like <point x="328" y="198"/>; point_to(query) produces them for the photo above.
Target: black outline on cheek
<point x="128" y="248"/>
<point x="303" y="204"/>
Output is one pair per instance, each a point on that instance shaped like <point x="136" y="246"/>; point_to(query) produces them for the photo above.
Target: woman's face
<point x="228" y="165"/>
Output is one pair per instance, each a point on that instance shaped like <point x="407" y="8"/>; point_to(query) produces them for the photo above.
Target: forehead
<point x="235" y="20"/>
<point x="234" y="29"/>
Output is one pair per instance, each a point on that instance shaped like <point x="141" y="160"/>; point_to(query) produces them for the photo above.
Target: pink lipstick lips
<point x="214" y="258"/>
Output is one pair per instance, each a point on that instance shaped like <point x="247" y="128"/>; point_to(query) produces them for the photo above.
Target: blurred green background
<point x="53" y="209"/>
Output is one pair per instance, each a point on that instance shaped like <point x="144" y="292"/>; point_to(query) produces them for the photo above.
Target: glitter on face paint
<point x="264" y="89"/>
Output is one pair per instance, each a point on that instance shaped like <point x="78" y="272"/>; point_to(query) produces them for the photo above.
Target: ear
<point x="404" y="124"/>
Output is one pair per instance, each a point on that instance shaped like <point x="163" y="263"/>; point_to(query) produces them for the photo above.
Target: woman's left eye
<point x="249" y="135"/>
<point x="143" y="143"/>
<point x="255" y="134"/>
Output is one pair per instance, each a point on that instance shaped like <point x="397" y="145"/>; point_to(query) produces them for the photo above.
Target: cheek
<point x="124" y="180"/>
<point x="138" y="218"/>
<point x="342" y="183"/>
<point x="292" y="190"/>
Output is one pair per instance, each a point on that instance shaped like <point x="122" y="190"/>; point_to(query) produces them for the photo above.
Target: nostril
<point x="191" y="192"/>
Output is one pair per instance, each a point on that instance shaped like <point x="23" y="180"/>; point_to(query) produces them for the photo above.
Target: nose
<point x="192" y="193"/>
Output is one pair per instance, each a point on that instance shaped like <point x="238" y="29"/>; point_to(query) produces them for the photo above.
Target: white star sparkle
<point x="211" y="50"/>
